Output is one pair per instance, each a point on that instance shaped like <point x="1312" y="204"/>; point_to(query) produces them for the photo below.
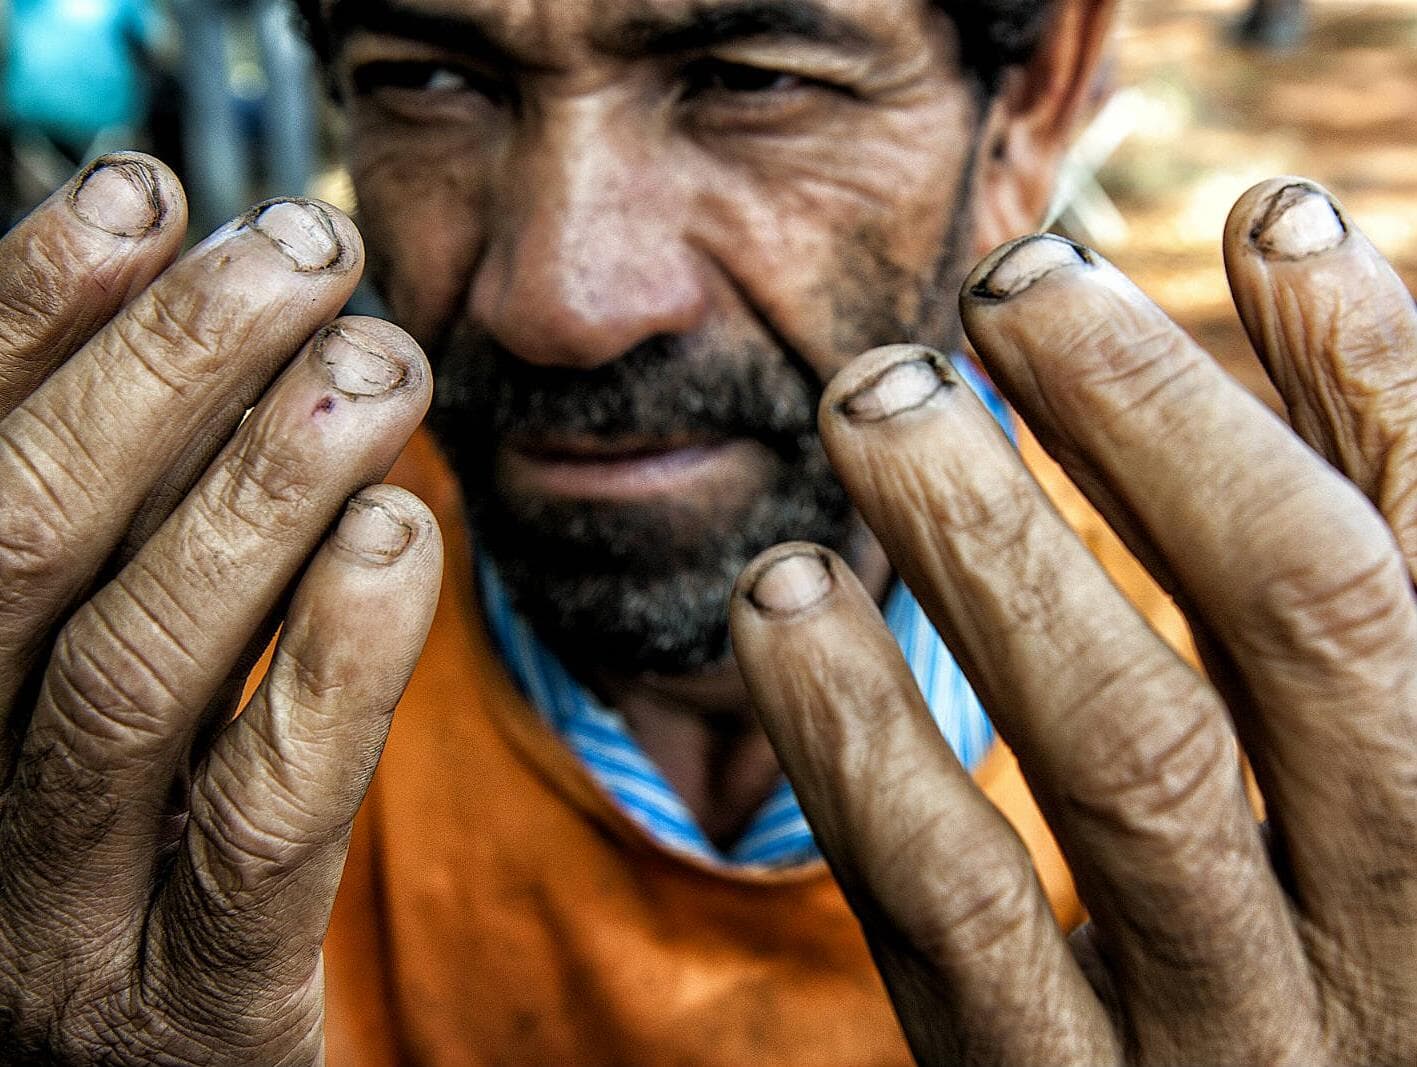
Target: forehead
<point x="558" y="31"/>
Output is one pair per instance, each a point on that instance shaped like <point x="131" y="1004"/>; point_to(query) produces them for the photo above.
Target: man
<point x="602" y="219"/>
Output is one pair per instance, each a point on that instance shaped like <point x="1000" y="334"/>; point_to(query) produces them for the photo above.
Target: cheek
<point x="836" y="240"/>
<point x="420" y="210"/>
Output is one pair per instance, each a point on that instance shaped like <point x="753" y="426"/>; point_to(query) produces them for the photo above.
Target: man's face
<point x="637" y="237"/>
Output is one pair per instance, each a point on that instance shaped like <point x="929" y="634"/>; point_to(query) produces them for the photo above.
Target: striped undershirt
<point x="778" y="835"/>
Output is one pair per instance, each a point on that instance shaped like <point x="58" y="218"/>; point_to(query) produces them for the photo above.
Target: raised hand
<point x="1209" y="944"/>
<point x="166" y="877"/>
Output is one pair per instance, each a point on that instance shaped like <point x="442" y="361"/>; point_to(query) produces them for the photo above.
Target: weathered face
<point x="637" y="237"/>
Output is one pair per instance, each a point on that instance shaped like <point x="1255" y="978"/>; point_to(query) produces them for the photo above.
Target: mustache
<point x="666" y="386"/>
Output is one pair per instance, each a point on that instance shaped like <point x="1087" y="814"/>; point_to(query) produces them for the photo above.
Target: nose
<point x="586" y="255"/>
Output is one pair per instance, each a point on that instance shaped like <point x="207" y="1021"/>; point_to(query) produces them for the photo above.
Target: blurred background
<point x="1200" y="100"/>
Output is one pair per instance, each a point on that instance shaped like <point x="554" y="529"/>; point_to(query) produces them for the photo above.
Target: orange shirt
<point x="498" y="909"/>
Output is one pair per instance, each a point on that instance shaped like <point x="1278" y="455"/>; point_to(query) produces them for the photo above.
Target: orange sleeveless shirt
<point x="498" y="909"/>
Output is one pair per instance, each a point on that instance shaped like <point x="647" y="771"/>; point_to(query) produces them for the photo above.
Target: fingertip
<point x="884" y="382"/>
<point x="314" y="236"/>
<point x="383" y="337"/>
<point x="1286" y="219"/>
<point x="346" y="231"/>
<point x="384" y="524"/>
<point x="1016" y="266"/>
<point x="129" y="195"/>
<point x="788" y="580"/>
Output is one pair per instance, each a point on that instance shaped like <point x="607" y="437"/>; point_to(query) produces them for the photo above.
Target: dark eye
<point x="717" y="76"/>
<point x="432" y="79"/>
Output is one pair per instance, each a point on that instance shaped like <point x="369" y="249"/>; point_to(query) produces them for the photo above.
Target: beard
<point x="627" y="588"/>
<point x="624" y="590"/>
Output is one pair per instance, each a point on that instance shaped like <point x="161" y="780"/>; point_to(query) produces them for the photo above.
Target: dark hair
<point x="994" y="35"/>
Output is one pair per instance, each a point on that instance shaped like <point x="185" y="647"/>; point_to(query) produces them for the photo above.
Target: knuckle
<point x="996" y="511"/>
<point x="298" y="679"/>
<point x="236" y="855"/>
<point x="36" y="522"/>
<point x="110" y="677"/>
<point x="993" y="524"/>
<point x="989" y="908"/>
<point x="183" y="344"/>
<point x="33" y="547"/>
<point x="1156" y="774"/>
<point x="37" y="286"/>
<point x="263" y="483"/>
<point x="1124" y="360"/>
<point x="1344" y="606"/>
<point x="213" y="922"/>
<point x="55" y="812"/>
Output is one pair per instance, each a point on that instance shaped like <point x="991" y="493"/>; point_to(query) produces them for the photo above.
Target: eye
<point x="718" y="76"/>
<point x="429" y="80"/>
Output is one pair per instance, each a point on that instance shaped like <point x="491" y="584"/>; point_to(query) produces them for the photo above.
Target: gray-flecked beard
<point x="629" y="588"/>
<point x="622" y="590"/>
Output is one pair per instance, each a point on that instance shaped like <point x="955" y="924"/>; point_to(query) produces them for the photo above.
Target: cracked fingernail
<point x="1299" y="221"/>
<point x="371" y="530"/>
<point x="119" y="196"/>
<point x="903" y="386"/>
<point x="791" y="583"/>
<point x="302" y="230"/>
<point x="1028" y="261"/>
<point x="355" y="370"/>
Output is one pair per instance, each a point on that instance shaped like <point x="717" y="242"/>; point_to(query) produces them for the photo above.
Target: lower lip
<point x="642" y="476"/>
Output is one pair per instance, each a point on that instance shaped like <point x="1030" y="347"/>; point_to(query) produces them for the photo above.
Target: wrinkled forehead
<point x="556" y="32"/>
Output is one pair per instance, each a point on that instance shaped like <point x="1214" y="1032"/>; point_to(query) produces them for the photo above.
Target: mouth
<point x="624" y="469"/>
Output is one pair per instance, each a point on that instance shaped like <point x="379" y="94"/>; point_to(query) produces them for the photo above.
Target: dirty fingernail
<point x="300" y="229"/>
<point x="371" y="530"/>
<point x="1028" y="261"/>
<point x="1299" y="221"/>
<point x="354" y="369"/>
<point x="791" y="583"/>
<point x="119" y="196"/>
<point x="901" y="387"/>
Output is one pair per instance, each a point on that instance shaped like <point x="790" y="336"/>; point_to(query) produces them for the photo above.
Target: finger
<point x="939" y="880"/>
<point x="79" y="455"/>
<point x="250" y="895"/>
<point x="1280" y="558"/>
<point x="1337" y="330"/>
<point x="79" y="257"/>
<point x="1126" y="749"/>
<point x="136" y="666"/>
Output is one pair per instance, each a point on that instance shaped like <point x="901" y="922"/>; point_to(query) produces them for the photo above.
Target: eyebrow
<point x="464" y="34"/>
<point x="712" y="25"/>
<point x="708" y="24"/>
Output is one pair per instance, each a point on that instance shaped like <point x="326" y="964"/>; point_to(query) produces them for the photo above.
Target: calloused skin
<point x="1291" y="554"/>
<point x="167" y="878"/>
<point x="166" y="883"/>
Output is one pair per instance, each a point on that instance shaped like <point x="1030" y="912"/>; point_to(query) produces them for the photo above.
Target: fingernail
<point x="901" y="387"/>
<point x="355" y="370"/>
<point x="372" y="531"/>
<point x="1299" y="221"/>
<point x="791" y="583"/>
<point x="119" y="196"/>
<point x="300" y="229"/>
<point x="1028" y="261"/>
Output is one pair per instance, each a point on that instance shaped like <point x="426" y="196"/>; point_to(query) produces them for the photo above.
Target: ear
<point x="1029" y="122"/>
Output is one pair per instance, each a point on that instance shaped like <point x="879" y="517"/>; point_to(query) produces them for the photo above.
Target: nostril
<point x="586" y="309"/>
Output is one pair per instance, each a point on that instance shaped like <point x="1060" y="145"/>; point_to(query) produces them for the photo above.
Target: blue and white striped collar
<point x="778" y="834"/>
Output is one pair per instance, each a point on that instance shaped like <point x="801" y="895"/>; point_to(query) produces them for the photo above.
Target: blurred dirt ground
<point x="1196" y="120"/>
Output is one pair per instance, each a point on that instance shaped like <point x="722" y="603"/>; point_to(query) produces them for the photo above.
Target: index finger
<point x="1337" y="330"/>
<point x="1281" y="558"/>
<point x="74" y="261"/>
<point x="80" y="454"/>
<point x="1126" y="749"/>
